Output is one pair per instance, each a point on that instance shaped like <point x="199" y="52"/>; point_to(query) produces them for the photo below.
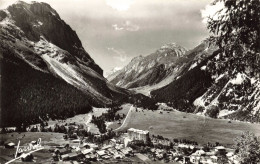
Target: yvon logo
<point x="26" y="150"/>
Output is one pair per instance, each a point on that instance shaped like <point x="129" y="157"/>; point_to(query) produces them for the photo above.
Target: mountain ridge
<point x="148" y="70"/>
<point x="36" y="41"/>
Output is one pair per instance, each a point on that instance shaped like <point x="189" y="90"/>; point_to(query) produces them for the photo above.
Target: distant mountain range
<point x="44" y="68"/>
<point x="185" y="82"/>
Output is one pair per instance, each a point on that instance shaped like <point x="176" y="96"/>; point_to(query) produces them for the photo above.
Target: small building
<point x="90" y="145"/>
<point x="106" y="156"/>
<point x="118" y="156"/>
<point x="220" y="150"/>
<point x="101" y="153"/>
<point x="195" y="159"/>
<point x="73" y="156"/>
<point x="214" y="159"/>
<point x="27" y="157"/>
<point x="93" y="157"/>
<point x="10" y="145"/>
<point x="112" y="141"/>
<point x="106" y="147"/>
<point x="65" y="157"/>
<point x="199" y="153"/>
<point x="76" y="141"/>
<point x="87" y="151"/>
<point x="127" y="151"/>
<point x="119" y="146"/>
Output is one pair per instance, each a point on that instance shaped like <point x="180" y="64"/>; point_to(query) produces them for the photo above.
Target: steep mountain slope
<point x="145" y="74"/>
<point x="198" y="90"/>
<point x="191" y="83"/>
<point x="151" y="69"/>
<point x="36" y="42"/>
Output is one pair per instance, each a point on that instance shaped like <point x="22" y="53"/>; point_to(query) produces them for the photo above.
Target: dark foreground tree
<point x="236" y="31"/>
<point x="248" y="148"/>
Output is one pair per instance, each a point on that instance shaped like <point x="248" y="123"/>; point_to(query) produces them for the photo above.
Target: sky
<point x="115" y="31"/>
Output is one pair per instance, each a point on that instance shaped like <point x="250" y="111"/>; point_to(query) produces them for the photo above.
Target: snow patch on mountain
<point x="149" y="70"/>
<point x="232" y="97"/>
<point x="239" y="79"/>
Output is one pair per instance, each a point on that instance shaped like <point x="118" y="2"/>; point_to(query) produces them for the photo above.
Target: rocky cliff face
<point x="43" y="61"/>
<point x="198" y="90"/>
<point x="151" y="69"/>
<point x="39" y="20"/>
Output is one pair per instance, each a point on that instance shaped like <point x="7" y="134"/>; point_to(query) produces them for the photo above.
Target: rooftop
<point x="139" y="131"/>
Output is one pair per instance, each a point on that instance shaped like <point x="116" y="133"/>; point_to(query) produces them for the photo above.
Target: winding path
<point x="126" y="118"/>
<point x="88" y="121"/>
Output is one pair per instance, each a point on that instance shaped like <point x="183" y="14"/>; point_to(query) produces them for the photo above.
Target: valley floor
<point x="180" y="125"/>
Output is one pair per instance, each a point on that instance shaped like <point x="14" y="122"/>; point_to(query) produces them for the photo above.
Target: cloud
<point x="128" y="26"/>
<point x="118" y="54"/>
<point x="120" y="5"/>
<point x="212" y="11"/>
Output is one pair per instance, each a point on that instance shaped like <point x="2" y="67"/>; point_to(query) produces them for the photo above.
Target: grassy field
<point x="125" y="109"/>
<point x="84" y="119"/>
<point x="181" y="125"/>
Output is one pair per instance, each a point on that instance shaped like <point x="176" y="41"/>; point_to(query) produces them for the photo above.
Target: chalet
<point x="9" y="145"/>
<point x="197" y="156"/>
<point x="76" y="141"/>
<point x="112" y="151"/>
<point x="26" y="157"/>
<point x="101" y="153"/>
<point x="118" y="156"/>
<point x="106" y="156"/>
<point x="87" y="151"/>
<point x="92" y="157"/>
<point x="106" y="147"/>
<point x="90" y="145"/>
<point x="199" y="153"/>
<point x="127" y="151"/>
<point x="230" y="154"/>
<point x="112" y="141"/>
<point x="220" y="150"/>
<point x="119" y="146"/>
<point x="65" y="157"/>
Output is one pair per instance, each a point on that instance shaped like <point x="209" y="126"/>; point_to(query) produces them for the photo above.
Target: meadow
<point x="180" y="125"/>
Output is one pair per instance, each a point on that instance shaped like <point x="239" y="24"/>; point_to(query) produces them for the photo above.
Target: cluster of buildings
<point x="88" y="151"/>
<point x="213" y="156"/>
<point x="111" y="149"/>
